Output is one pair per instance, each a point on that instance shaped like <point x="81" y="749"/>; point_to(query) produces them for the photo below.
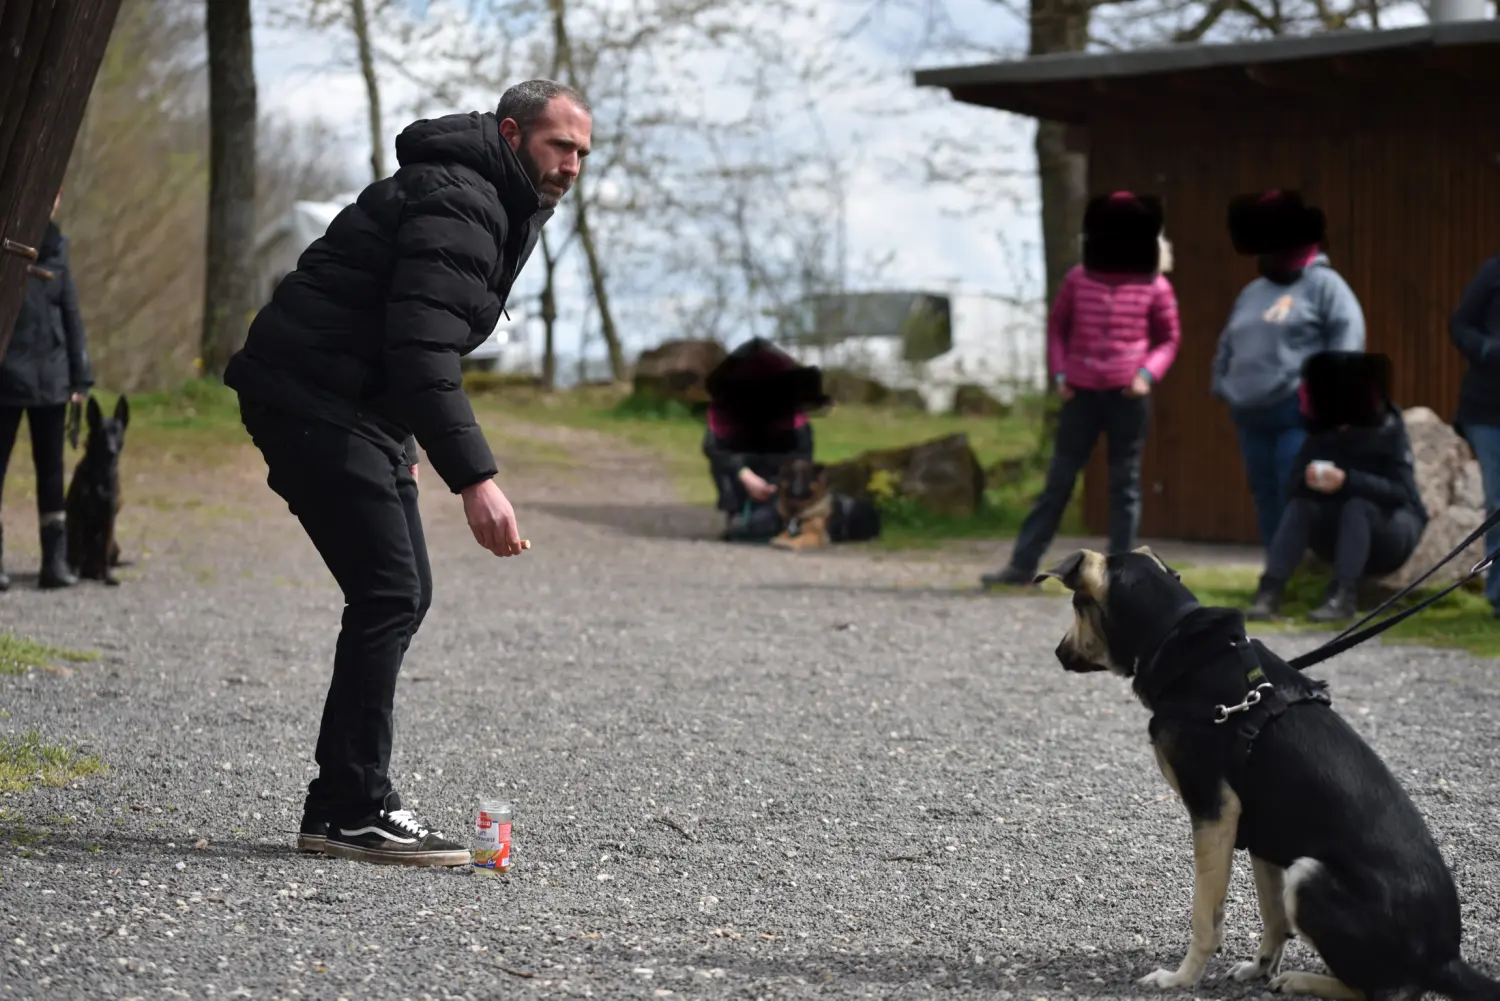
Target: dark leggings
<point x="1357" y="536"/>
<point x="47" y="424"/>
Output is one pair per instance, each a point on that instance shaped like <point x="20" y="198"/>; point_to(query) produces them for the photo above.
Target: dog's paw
<point x="1251" y="969"/>
<point x="1165" y="980"/>
<point x="1304" y="984"/>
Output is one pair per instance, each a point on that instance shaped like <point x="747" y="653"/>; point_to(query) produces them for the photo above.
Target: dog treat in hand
<point x="525" y="543"/>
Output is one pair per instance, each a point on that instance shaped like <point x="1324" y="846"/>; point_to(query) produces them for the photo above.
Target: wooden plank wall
<point x="1413" y="207"/>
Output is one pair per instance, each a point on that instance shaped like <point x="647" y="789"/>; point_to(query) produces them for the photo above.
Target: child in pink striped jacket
<point x="1112" y="334"/>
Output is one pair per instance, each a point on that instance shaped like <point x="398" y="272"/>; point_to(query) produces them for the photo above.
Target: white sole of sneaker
<point x="356" y="854"/>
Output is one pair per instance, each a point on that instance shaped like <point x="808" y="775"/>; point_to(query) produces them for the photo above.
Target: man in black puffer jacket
<point x="355" y="361"/>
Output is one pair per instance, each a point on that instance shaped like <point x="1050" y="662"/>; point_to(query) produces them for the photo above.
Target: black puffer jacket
<point x="47" y="359"/>
<point x="1475" y="330"/>
<point x="368" y="330"/>
<point x="1377" y="461"/>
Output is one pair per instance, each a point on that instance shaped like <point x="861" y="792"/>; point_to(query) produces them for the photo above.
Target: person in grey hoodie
<point x="1298" y="307"/>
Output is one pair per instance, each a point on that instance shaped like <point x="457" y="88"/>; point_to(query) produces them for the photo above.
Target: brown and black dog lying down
<point x="1261" y="761"/>
<point x="805" y="504"/>
<point x="814" y="514"/>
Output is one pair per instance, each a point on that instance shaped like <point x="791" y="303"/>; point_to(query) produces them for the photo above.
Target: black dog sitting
<point x="1341" y="855"/>
<point x="94" y="496"/>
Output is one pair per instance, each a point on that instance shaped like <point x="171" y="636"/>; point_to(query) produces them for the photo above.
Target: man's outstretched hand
<point x="491" y="518"/>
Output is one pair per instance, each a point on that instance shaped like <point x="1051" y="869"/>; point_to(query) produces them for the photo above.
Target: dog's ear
<point x="95" y="415"/>
<point x="1147" y="551"/>
<point x="1081" y="572"/>
<point x="122" y="411"/>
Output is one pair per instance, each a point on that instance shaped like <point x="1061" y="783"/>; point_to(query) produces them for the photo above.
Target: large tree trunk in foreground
<point x="229" y="299"/>
<point x="53" y="50"/>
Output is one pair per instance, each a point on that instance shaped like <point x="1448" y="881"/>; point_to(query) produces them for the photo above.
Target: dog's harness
<point x="1262" y="705"/>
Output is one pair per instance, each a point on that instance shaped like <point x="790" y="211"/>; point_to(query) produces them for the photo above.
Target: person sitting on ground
<point x="757" y="422"/>
<point x="1112" y="334"/>
<point x="1353" y="498"/>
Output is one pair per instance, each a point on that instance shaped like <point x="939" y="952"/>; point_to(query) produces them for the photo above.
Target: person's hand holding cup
<point x="1324" y="477"/>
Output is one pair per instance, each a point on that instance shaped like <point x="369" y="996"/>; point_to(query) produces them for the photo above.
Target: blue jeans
<point x="1270" y="438"/>
<point x="1485" y="440"/>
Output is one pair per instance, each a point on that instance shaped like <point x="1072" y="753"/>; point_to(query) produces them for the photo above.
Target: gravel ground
<point x="736" y="773"/>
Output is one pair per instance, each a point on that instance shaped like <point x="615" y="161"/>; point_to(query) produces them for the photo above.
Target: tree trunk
<point x="562" y="57"/>
<point x="361" y="24"/>
<point x="54" y="48"/>
<point x="596" y="274"/>
<point x="229" y="293"/>
<point x="1058" y="26"/>
<point x="549" y="318"/>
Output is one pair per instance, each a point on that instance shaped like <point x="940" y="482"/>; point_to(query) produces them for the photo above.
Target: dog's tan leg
<point x="1270" y="882"/>
<point x="1213" y="859"/>
<point x="1316" y="985"/>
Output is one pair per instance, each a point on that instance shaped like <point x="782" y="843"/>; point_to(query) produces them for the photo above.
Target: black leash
<point x="1350" y="637"/>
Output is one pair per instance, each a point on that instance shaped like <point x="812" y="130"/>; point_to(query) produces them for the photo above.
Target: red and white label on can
<point x="493" y="836"/>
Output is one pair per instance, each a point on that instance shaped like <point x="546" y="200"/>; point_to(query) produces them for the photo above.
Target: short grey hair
<point x="526" y="101"/>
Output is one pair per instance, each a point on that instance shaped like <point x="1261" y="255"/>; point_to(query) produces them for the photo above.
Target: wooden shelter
<point x="1392" y="133"/>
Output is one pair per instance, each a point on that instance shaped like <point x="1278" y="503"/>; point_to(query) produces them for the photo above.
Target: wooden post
<point x="52" y="49"/>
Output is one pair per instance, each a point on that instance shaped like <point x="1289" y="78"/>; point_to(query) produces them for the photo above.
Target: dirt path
<point x="737" y="774"/>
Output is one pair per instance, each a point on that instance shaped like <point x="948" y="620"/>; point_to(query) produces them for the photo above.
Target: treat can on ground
<point x="490" y="854"/>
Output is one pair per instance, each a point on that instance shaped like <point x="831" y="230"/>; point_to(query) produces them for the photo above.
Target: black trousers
<point x="359" y="508"/>
<point x="1354" y="534"/>
<point x="1123" y="421"/>
<point x="47" y="425"/>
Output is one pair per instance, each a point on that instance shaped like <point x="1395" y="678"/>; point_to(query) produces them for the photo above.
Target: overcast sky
<point x="938" y="238"/>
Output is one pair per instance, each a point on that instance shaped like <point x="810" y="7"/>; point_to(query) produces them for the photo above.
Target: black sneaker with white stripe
<point x="312" y="836"/>
<point x="392" y="836"/>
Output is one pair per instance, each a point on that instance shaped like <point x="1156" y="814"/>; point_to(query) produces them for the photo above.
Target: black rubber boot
<point x="55" y="572"/>
<point x="4" y="580"/>
<point x="1340" y="604"/>
<point x="1267" y="603"/>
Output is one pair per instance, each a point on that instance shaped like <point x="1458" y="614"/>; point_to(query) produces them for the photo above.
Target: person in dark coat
<point x="1475" y="330"/>
<point x="1353" y="497"/>
<point x="45" y="366"/>
<point x="351" y="365"/>
<point x="757" y="422"/>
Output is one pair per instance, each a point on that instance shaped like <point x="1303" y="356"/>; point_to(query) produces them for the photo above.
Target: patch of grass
<point x="674" y="433"/>
<point x="1461" y="620"/>
<point x="26" y="760"/>
<point x="19" y="654"/>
